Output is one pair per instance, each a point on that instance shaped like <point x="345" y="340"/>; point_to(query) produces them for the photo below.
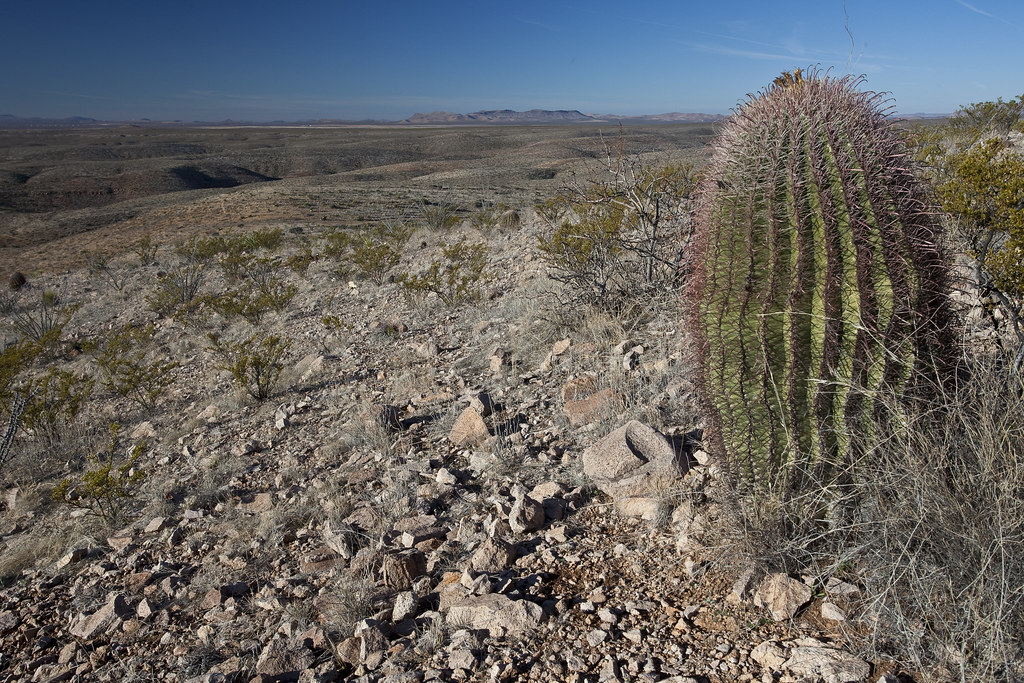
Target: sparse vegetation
<point x="110" y="481"/>
<point x="456" y="279"/>
<point x="129" y="368"/>
<point x="924" y="517"/>
<point x="620" y="234"/>
<point x="255" y="362"/>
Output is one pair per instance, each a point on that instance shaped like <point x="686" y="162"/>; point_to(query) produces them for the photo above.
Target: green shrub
<point x="129" y="371"/>
<point x="254" y="303"/>
<point x="145" y="249"/>
<point x="369" y="252"/>
<point x="43" y="322"/>
<point x="107" y="484"/>
<point x="263" y="291"/>
<point x="177" y="292"/>
<point x="269" y="240"/>
<point x="985" y="194"/>
<point x="255" y="363"/>
<point x="818" y="282"/>
<point x="55" y="399"/>
<point x="455" y="280"/>
<point x="14" y="360"/>
<point x="200" y="250"/>
<point x="301" y="259"/>
<point x="619" y="236"/>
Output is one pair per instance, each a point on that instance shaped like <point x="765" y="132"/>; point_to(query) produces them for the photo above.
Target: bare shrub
<point x="108" y="271"/>
<point x="618" y="233"/>
<point x="177" y="292"/>
<point x="41" y="322"/>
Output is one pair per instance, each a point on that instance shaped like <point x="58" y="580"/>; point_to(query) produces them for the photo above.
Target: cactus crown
<point x="818" y="279"/>
<point x="789" y="79"/>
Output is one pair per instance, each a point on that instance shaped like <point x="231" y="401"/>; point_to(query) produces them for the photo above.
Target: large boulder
<point x="636" y="466"/>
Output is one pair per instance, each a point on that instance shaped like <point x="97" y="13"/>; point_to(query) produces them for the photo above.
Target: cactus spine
<point x="817" y="277"/>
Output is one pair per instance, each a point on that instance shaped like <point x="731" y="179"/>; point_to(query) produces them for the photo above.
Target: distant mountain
<point x="499" y="116"/>
<point x="11" y="121"/>
<point x="437" y="118"/>
<point x="545" y="116"/>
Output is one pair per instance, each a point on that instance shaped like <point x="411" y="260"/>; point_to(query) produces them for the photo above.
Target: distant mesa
<point x="546" y="116"/>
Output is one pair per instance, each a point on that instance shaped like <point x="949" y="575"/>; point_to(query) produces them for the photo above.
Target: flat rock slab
<point x="103" y="620"/>
<point x="496" y="613"/>
<point x="782" y="596"/>
<point x="828" y="664"/>
<point x="469" y="429"/>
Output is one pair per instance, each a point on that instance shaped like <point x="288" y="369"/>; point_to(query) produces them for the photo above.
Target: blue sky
<point x="260" y="61"/>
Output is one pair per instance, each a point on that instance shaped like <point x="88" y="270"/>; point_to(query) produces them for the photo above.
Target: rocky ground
<point x="496" y="490"/>
<point x="66" y="191"/>
<point x="480" y="492"/>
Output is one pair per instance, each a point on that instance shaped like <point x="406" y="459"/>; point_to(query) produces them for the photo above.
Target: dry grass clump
<point x="929" y="522"/>
<point x="943" y="516"/>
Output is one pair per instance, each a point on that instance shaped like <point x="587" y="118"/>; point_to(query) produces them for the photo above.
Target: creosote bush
<point x="979" y="176"/>
<point x="456" y="279"/>
<point x="255" y="363"/>
<point x="41" y="322"/>
<point x="369" y="252"/>
<point x="262" y="292"/>
<point x="109" y="482"/>
<point x="54" y="401"/>
<point x="129" y="369"/>
<point x="145" y="250"/>
<point x="620" y="234"/>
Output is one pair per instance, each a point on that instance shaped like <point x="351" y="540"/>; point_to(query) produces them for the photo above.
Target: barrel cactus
<point x="818" y="280"/>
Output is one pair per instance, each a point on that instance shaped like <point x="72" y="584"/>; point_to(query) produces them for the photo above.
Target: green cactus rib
<point x="817" y="277"/>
